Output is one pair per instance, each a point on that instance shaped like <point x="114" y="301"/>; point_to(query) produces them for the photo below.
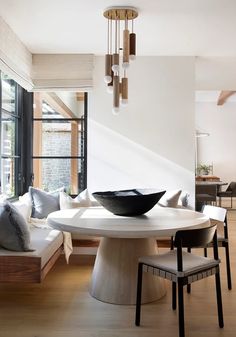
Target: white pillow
<point x="25" y="198"/>
<point x="170" y="199"/>
<point x="24" y="209"/>
<point x="67" y="202"/>
<point x="3" y="197"/>
<point x="82" y="200"/>
<point x="86" y="198"/>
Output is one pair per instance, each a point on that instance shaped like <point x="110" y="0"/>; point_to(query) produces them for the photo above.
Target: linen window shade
<point x="52" y="72"/>
<point x="15" y="58"/>
<point x="43" y="72"/>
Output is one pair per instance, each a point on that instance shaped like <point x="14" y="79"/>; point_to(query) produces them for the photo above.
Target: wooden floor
<point x="62" y="307"/>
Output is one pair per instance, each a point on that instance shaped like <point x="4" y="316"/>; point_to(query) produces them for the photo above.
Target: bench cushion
<point x="45" y="242"/>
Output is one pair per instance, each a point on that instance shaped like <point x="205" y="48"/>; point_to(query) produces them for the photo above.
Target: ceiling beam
<point x="80" y="96"/>
<point x="224" y="95"/>
<point x="58" y="105"/>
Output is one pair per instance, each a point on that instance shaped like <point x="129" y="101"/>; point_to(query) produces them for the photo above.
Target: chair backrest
<point x="215" y="213"/>
<point x="231" y="187"/>
<point x="206" y="192"/>
<point x="206" y="189"/>
<point x="194" y="237"/>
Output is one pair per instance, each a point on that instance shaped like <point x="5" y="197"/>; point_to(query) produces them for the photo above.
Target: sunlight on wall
<point x="116" y="162"/>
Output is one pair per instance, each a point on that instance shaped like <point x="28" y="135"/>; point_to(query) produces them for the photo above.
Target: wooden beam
<point x="74" y="162"/>
<point x="58" y="105"/>
<point x="224" y="95"/>
<point x="80" y="96"/>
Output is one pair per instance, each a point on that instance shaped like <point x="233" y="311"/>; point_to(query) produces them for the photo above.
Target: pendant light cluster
<point x="121" y="48"/>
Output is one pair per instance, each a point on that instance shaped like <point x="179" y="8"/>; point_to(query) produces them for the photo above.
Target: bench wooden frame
<point x="25" y="268"/>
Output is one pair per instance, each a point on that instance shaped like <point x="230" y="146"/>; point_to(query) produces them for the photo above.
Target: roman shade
<point x="15" y="58"/>
<point x="52" y="72"/>
<point x="43" y="72"/>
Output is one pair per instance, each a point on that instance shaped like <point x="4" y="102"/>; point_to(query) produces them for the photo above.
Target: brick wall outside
<point x="56" y="172"/>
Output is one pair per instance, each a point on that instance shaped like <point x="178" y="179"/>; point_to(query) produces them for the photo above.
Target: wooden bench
<point x="32" y="266"/>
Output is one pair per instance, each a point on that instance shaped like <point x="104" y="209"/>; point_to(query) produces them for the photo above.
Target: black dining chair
<point x="183" y="268"/>
<point x="205" y="194"/>
<point x="218" y="215"/>
<point x="230" y="192"/>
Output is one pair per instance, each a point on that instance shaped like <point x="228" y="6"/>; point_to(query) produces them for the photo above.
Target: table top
<point x="207" y="178"/>
<point x="219" y="183"/>
<point x="97" y="221"/>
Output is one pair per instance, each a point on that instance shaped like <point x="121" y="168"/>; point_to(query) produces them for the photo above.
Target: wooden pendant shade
<point x="120" y="45"/>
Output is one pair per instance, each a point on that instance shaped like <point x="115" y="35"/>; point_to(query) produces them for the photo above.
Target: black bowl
<point x="129" y="202"/>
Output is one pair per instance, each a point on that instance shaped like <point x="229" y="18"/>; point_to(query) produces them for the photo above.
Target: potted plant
<point x="204" y="169"/>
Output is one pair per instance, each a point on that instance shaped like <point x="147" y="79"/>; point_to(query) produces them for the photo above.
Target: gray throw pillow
<point x="44" y="203"/>
<point x="14" y="231"/>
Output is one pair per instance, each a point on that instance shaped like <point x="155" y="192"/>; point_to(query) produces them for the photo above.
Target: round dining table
<point x="124" y="240"/>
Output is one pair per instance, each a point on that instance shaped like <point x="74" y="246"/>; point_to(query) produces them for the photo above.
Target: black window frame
<point x="82" y="180"/>
<point x="24" y="141"/>
<point x="17" y="116"/>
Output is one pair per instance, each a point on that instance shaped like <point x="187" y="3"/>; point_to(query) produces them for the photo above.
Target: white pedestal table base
<point x="115" y="271"/>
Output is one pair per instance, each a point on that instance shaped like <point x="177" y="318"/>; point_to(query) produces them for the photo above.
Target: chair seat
<point x="225" y="194"/>
<point x="205" y="197"/>
<point x="168" y="262"/>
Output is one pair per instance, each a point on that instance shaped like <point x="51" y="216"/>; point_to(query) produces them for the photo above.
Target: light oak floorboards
<point x="62" y="307"/>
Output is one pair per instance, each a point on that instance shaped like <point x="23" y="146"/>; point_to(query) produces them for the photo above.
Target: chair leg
<point x="139" y="294"/>
<point x="228" y="266"/>
<point x="205" y="252"/>
<point x="189" y="285"/>
<point x="219" y="300"/>
<point x="188" y="288"/>
<point x="220" y="201"/>
<point x="231" y="202"/>
<point x="181" y="308"/>
<point x="174" y="295"/>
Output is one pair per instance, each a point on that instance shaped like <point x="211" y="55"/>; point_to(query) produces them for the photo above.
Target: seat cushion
<point x="205" y="197"/>
<point x="168" y="262"/>
<point x="45" y="242"/>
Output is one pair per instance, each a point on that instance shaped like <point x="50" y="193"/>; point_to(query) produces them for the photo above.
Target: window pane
<point x="8" y="94"/>
<point x="8" y="135"/>
<point x="8" y="177"/>
<point x="50" y="174"/>
<point x="59" y="105"/>
<point x="57" y="138"/>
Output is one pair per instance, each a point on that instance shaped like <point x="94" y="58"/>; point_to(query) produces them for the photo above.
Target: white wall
<point x="219" y="147"/>
<point x="151" y="142"/>
<point x="215" y="73"/>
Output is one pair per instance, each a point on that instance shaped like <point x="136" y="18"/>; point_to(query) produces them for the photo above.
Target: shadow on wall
<point x="116" y="162"/>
